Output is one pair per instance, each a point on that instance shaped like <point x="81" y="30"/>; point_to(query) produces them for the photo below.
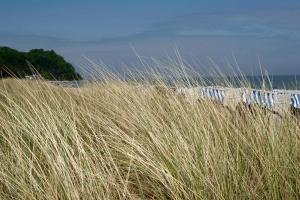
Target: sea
<point x="287" y="82"/>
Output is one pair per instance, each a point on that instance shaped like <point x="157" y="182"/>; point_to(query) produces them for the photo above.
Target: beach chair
<point x="295" y="103"/>
<point x="213" y="93"/>
<point x="182" y="91"/>
<point x="295" y="100"/>
<point x="269" y="99"/>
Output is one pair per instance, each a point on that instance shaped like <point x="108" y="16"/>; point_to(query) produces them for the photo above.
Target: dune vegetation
<point x="135" y="140"/>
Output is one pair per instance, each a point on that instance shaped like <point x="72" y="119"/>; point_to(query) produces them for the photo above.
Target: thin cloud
<point x="257" y="25"/>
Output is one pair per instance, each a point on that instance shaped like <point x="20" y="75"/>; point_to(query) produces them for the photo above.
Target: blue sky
<point x="107" y="29"/>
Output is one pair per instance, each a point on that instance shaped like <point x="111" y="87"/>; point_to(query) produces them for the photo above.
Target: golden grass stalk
<point x="120" y="140"/>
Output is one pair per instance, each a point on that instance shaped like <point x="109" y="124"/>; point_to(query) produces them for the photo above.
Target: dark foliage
<point x="49" y="65"/>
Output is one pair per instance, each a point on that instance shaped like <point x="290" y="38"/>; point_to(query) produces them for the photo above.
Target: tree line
<point x="47" y="63"/>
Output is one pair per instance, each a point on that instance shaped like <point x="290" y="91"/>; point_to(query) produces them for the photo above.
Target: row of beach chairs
<point x="277" y="100"/>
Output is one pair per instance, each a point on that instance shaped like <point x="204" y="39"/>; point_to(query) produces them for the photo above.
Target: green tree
<point x="49" y="64"/>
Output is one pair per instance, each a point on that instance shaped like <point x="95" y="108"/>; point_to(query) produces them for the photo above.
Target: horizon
<point x="252" y="32"/>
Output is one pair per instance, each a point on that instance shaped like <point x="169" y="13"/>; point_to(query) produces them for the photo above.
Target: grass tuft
<point x="119" y="140"/>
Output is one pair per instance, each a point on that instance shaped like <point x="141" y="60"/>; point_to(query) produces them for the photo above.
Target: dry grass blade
<point x="121" y="140"/>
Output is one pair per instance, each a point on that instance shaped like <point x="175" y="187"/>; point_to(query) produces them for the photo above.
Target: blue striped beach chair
<point x="183" y="91"/>
<point x="221" y="95"/>
<point x="205" y="93"/>
<point x="257" y="97"/>
<point x="215" y="94"/>
<point x="245" y="98"/>
<point x="211" y="93"/>
<point x="269" y="99"/>
<point x="295" y="100"/>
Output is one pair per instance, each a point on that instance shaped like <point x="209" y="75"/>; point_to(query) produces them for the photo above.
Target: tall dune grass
<point x="119" y="140"/>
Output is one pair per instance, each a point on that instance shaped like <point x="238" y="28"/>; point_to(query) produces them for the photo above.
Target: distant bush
<point x="49" y="64"/>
